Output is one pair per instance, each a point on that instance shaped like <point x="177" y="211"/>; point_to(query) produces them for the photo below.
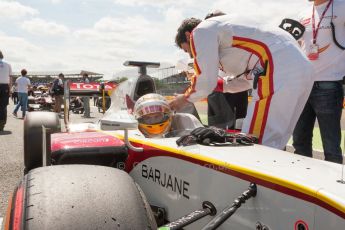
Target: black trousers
<point x="15" y="97"/>
<point x="238" y="102"/>
<point x="4" y="99"/>
<point x="225" y="108"/>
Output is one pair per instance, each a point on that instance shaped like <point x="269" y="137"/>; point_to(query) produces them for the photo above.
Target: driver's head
<point x="153" y="114"/>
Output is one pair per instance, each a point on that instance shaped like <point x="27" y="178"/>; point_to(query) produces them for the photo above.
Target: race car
<point x="108" y="175"/>
<point x="39" y="101"/>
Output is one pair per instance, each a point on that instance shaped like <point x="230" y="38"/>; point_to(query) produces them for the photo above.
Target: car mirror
<point x="121" y="121"/>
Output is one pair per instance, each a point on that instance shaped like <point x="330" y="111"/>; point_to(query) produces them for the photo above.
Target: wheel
<point x="33" y="136"/>
<point x="80" y="197"/>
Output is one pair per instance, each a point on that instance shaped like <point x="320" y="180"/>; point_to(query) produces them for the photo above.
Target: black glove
<point x="216" y="136"/>
<point x="243" y="139"/>
<point x="203" y="135"/>
<point x="186" y="140"/>
<point x="210" y="134"/>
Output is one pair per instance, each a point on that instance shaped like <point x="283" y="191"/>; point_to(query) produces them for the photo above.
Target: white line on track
<point x="1" y="222"/>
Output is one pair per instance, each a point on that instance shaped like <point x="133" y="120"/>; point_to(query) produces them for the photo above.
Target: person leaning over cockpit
<point x="281" y="73"/>
<point x="229" y="100"/>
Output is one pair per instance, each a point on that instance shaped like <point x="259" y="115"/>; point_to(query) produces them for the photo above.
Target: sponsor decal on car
<point x="166" y="180"/>
<point x="91" y="86"/>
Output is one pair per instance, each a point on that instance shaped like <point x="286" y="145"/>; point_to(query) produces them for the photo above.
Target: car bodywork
<point x="293" y="192"/>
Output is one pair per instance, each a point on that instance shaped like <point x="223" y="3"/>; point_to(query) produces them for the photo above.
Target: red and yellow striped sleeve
<point x="204" y="48"/>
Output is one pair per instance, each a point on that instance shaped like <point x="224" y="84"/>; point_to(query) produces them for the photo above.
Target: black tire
<point x="33" y="136"/>
<point x="83" y="197"/>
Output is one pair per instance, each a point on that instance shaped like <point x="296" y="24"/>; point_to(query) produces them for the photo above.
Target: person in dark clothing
<point x="5" y="86"/>
<point x="86" y="100"/>
<point x="58" y="91"/>
<point x="14" y="94"/>
<point x="325" y="102"/>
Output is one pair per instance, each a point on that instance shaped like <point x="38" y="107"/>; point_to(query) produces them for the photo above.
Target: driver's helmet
<point x="153" y="114"/>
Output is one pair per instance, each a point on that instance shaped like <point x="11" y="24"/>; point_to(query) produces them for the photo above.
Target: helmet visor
<point x="153" y="118"/>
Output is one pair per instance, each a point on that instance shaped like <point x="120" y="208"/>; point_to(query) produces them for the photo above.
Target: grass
<point x="317" y="143"/>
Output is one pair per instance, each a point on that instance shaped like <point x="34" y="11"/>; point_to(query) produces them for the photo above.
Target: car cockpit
<point x="145" y="83"/>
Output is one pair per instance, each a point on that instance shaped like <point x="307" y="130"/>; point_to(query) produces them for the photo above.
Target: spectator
<point x="57" y="92"/>
<point x="23" y="84"/>
<point x="95" y="100"/>
<point x="280" y="72"/>
<point x="32" y="90"/>
<point x="86" y="100"/>
<point x="14" y="94"/>
<point x="5" y="85"/>
<point x="325" y="101"/>
<point x="50" y="88"/>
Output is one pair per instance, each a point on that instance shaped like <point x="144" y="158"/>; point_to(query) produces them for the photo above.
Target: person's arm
<point x="11" y="86"/>
<point x="236" y="85"/>
<point x="204" y="45"/>
<point x="11" y="80"/>
<point x="29" y="84"/>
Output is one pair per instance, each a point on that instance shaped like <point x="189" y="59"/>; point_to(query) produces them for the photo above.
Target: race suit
<point x="283" y="74"/>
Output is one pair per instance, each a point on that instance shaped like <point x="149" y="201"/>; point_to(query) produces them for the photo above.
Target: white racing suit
<point x="279" y="94"/>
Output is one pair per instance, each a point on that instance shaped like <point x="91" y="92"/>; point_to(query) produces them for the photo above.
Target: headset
<point x="293" y="27"/>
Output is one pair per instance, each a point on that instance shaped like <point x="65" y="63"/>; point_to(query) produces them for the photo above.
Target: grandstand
<point x="47" y="77"/>
<point x="169" y="80"/>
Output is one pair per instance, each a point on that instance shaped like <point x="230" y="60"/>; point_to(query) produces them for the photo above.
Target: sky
<point x="100" y="35"/>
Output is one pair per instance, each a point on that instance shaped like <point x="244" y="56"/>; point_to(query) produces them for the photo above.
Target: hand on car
<point x="178" y="102"/>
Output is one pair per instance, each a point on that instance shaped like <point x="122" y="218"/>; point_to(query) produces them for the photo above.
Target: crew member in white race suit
<point x="279" y="94"/>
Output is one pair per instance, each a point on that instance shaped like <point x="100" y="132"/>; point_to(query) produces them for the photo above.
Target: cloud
<point x="134" y="36"/>
<point x="173" y="15"/>
<point x="269" y="12"/>
<point x="113" y="40"/>
<point x="41" y="27"/>
<point x="152" y="3"/>
<point x="248" y="11"/>
<point x="15" y="10"/>
<point x="56" y="1"/>
<point x="142" y="30"/>
<point x="131" y="31"/>
<point x="19" y="52"/>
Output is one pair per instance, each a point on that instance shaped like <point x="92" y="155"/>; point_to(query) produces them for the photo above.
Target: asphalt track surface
<point x="11" y="151"/>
